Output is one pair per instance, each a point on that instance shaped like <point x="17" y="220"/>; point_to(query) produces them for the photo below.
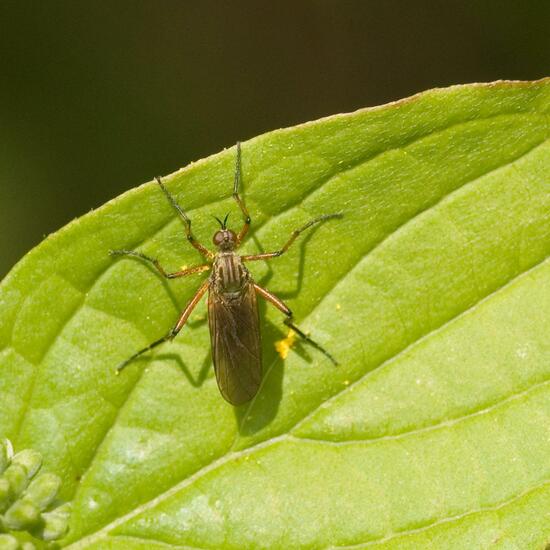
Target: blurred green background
<point x="97" y="97"/>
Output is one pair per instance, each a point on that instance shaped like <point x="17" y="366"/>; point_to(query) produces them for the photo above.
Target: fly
<point x="233" y="316"/>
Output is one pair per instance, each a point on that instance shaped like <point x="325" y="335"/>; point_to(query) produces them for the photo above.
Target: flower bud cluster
<point x="28" y="499"/>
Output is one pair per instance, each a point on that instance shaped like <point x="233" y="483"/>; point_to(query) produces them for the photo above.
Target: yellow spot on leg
<point x="283" y="346"/>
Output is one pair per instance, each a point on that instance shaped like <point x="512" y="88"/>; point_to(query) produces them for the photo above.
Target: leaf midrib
<point x="381" y="540"/>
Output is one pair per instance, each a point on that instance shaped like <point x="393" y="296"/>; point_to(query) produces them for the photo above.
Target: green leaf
<point x="433" y="292"/>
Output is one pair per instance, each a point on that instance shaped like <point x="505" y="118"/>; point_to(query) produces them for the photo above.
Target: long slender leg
<point x="160" y="269"/>
<point x="240" y="202"/>
<point x="190" y="237"/>
<point x="178" y="326"/>
<point x="281" y="306"/>
<point x="293" y="237"/>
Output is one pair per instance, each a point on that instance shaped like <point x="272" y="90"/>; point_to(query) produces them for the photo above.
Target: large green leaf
<point x="432" y="291"/>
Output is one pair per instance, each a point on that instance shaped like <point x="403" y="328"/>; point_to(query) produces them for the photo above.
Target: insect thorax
<point x="229" y="273"/>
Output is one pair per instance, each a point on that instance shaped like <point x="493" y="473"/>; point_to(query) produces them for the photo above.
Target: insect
<point x="232" y="300"/>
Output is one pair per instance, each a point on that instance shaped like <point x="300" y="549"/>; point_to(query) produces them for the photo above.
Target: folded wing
<point x="235" y="337"/>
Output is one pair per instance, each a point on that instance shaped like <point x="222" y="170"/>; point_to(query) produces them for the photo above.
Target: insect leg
<point x="281" y="306"/>
<point x="190" y="237"/>
<point x="178" y="326"/>
<point x="156" y="264"/>
<point x="240" y="202"/>
<point x="293" y="237"/>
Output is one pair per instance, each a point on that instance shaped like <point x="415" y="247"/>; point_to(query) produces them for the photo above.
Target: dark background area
<point x="98" y="97"/>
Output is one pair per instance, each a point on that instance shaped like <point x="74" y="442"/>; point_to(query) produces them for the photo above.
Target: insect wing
<point x="236" y="351"/>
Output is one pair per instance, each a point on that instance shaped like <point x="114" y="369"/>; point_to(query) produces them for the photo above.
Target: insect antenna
<point x="223" y="224"/>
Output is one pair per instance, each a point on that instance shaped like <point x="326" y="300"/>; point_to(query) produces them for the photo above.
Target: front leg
<point x="236" y="196"/>
<point x="295" y="234"/>
<point x="156" y="264"/>
<point x="187" y="222"/>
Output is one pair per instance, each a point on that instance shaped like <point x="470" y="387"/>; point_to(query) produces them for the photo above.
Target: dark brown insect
<point x="232" y="305"/>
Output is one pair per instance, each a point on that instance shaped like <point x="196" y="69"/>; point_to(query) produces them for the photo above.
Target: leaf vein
<point x="425" y="336"/>
<point x="160" y="543"/>
<point x="447" y="423"/>
<point x="450" y="519"/>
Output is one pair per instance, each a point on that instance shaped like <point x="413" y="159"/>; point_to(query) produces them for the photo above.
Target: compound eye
<point x="218" y="238"/>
